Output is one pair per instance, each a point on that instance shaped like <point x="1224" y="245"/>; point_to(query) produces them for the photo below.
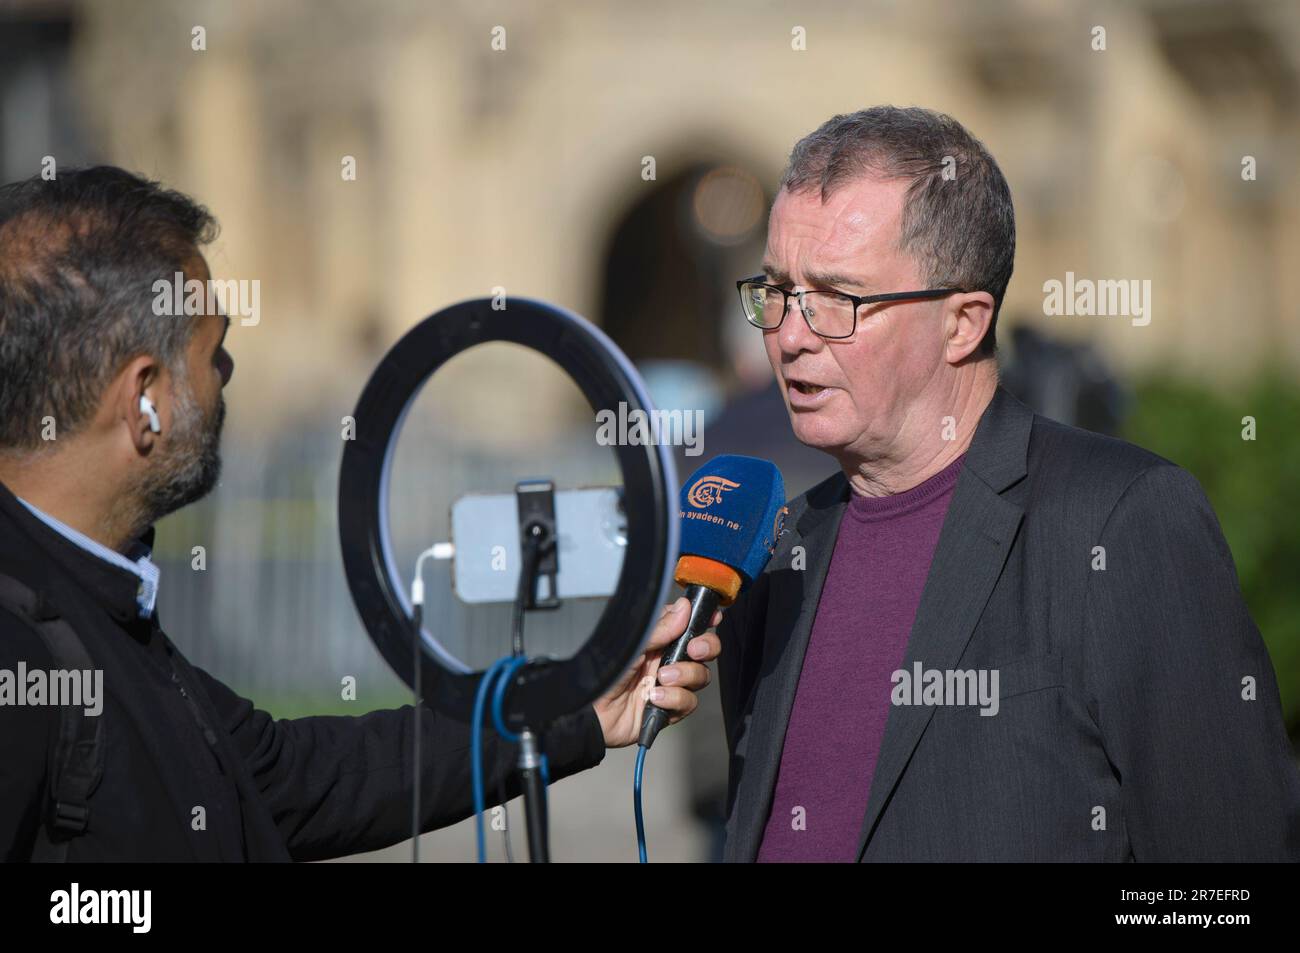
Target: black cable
<point x="517" y="647"/>
<point x="529" y="558"/>
<point x="505" y="820"/>
<point x="417" y="617"/>
<point x="534" y="544"/>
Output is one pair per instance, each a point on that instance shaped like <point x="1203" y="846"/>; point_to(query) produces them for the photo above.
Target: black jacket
<point x="1122" y="733"/>
<point x="176" y="739"/>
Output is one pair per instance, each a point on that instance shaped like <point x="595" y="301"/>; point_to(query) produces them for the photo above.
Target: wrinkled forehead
<point x="858" y="222"/>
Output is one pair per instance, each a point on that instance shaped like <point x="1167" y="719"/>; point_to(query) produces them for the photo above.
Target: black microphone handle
<point x="704" y="602"/>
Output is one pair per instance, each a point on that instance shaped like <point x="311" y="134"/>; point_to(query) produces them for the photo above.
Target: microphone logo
<point x="708" y="490"/>
<point x="778" y="528"/>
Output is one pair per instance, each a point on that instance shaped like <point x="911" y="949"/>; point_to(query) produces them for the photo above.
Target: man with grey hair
<point x="988" y="636"/>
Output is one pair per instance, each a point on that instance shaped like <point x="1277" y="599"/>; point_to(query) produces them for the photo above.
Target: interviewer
<point x="79" y="347"/>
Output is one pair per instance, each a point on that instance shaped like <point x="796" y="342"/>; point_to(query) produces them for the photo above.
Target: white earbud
<point x="146" y="408"/>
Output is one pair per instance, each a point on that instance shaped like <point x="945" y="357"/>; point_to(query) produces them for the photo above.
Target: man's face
<point x="189" y="461"/>
<point x="863" y="387"/>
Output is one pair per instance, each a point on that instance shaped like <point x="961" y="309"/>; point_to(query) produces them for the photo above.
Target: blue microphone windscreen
<point x="732" y="510"/>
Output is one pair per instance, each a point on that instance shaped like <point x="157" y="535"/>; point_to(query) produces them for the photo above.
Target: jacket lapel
<point x="973" y="545"/>
<point x="791" y="609"/>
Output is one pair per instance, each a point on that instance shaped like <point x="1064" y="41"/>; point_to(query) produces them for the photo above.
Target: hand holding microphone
<point x="732" y="510"/>
<point x="620" y="709"/>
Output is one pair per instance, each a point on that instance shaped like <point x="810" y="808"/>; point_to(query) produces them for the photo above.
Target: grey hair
<point x="78" y="258"/>
<point x="958" y="220"/>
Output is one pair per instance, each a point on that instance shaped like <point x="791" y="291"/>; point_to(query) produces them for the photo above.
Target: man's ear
<point x="142" y="377"/>
<point x="967" y="320"/>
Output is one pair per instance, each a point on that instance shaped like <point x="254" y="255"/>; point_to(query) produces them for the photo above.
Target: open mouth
<point x="805" y="388"/>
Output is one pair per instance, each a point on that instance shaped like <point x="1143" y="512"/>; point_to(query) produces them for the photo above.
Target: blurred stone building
<point x="480" y="167"/>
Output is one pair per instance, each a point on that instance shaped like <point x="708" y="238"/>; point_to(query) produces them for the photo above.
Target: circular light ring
<point x="606" y="377"/>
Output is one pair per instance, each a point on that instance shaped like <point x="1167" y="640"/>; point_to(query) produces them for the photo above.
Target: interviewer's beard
<point x="190" y="464"/>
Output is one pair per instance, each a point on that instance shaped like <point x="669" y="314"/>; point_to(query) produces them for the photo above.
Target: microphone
<point x="732" y="511"/>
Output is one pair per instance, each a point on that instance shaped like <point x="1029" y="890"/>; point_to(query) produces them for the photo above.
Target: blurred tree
<point x="1252" y="485"/>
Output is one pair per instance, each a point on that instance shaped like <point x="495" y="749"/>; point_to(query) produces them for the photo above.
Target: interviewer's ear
<point x="966" y="319"/>
<point x="140" y="396"/>
<point x="147" y="408"/>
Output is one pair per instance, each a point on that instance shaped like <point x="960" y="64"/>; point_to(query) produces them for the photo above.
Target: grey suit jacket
<point x="1126" y="729"/>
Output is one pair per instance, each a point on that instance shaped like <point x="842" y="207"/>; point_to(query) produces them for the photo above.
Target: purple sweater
<point x="859" y="638"/>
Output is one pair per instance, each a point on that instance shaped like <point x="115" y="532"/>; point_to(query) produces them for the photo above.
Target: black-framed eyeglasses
<point x="830" y="314"/>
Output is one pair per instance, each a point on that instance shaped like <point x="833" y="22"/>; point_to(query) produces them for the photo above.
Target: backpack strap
<point x="77" y="761"/>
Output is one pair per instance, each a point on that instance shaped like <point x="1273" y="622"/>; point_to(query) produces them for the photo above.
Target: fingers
<point x="672" y="623"/>
<point x="704" y="648"/>
<point x="678" y="702"/>
<point x="694" y="675"/>
<point x="690" y="675"/>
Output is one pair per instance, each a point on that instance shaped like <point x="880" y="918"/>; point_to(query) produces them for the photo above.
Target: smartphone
<point x="591" y="530"/>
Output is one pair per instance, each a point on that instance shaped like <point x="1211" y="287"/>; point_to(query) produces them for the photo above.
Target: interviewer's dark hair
<point x="961" y="227"/>
<point x="79" y="255"/>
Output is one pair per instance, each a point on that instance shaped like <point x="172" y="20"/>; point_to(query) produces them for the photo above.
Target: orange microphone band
<point x="702" y="571"/>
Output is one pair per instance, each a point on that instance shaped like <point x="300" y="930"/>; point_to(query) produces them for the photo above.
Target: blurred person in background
<point x="1069" y="383"/>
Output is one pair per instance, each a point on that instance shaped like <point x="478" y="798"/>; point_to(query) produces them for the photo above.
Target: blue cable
<point x="512" y="665"/>
<point x="476" y="750"/>
<point x="636" y="803"/>
<point x="498" y="718"/>
<point x="497" y="680"/>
